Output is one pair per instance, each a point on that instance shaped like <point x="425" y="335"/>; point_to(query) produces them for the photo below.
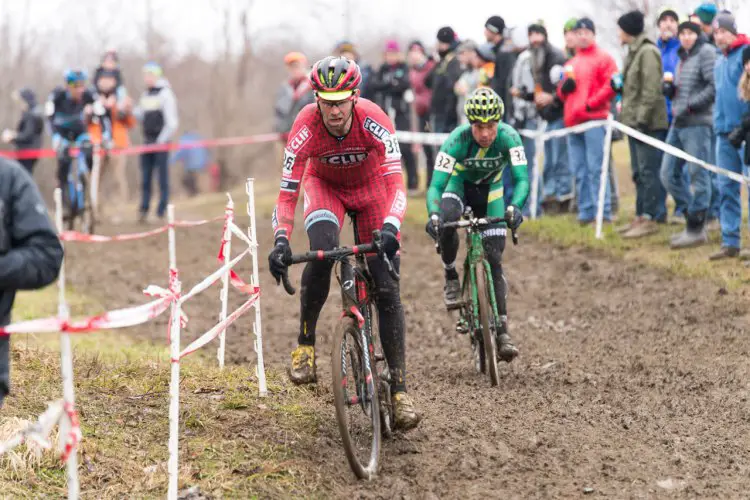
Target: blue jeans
<point x="585" y="152"/>
<point x="729" y="158"/>
<point x="558" y="180"/>
<point x="695" y="141"/>
<point x="714" y="206"/>
<point x="149" y="163"/>
<point x="645" y="161"/>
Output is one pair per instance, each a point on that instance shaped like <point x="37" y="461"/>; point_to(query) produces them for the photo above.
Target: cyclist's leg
<point x="324" y="214"/>
<point x="493" y="241"/>
<point x="452" y="207"/>
<point x="371" y="207"/>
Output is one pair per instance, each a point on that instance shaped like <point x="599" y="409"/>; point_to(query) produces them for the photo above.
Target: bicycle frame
<point x="474" y="255"/>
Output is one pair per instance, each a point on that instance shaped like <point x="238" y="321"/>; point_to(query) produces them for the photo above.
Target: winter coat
<point x="290" y="99"/>
<point x="592" y="70"/>
<point x="669" y="61"/>
<point x="422" y="95"/>
<point x="643" y="104"/>
<point x="389" y="85"/>
<point x="729" y="108"/>
<point x="694" y="100"/>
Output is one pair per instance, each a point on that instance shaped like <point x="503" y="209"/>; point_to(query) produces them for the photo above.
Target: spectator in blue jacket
<point x="669" y="45"/>
<point x="728" y="112"/>
<point x="194" y="160"/>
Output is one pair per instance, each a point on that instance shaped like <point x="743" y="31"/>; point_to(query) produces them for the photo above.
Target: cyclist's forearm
<point x="520" y="185"/>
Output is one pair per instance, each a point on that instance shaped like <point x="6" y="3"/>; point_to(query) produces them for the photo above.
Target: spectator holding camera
<point x="643" y="108"/>
<point x="692" y="93"/>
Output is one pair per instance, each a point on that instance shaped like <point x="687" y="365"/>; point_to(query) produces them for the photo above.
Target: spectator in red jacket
<point x="419" y="67"/>
<point x="587" y="95"/>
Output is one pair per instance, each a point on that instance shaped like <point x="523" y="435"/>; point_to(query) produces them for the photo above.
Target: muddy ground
<point x="630" y="383"/>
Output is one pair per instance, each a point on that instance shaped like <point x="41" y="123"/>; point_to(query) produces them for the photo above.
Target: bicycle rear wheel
<point x="486" y="316"/>
<point x="356" y="399"/>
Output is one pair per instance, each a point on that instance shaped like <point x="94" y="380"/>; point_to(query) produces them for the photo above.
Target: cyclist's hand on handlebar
<point x="434" y="225"/>
<point x="513" y="217"/>
<point x="389" y="241"/>
<point x="279" y="258"/>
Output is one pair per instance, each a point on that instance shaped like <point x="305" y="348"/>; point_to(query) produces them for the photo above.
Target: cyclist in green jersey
<point x="469" y="172"/>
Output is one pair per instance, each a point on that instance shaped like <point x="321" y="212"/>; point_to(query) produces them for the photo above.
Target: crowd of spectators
<point x="686" y="86"/>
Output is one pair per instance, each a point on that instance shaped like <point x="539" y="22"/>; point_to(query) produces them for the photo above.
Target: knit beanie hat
<point x="632" y="23"/>
<point x="538" y="27"/>
<point x="725" y="20"/>
<point x="446" y="35"/>
<point x="706" y="12"/>
<point x="689" y="25"/>
<point x="585" y="23"/>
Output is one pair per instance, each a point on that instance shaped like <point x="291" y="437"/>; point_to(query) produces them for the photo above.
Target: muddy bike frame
<point x="471" y="312"/>
<point x="357" y="292"/>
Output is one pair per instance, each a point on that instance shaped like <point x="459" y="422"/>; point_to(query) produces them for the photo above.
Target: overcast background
<point x="314" y="25"/>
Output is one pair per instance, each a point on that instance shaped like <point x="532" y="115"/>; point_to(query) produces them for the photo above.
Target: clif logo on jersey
<point x="375" y="128"/>
<point x="344" y="159"/>
<point x="299" y="140"/>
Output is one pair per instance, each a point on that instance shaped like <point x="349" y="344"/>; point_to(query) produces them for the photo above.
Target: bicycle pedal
<point x="454" y="306"/>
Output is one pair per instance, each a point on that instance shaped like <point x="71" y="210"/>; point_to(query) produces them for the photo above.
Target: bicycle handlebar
<point x="479" y="222"/>
<point x="340" y="253"/>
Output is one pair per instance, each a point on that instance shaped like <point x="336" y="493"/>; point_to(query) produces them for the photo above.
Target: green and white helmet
<point x="484" y="106"/>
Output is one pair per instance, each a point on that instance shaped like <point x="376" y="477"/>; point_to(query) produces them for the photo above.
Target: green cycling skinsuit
<point x="468" y="175"/>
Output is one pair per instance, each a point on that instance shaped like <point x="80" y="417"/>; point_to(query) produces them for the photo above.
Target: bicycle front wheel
<point x="356" y="399"/>
<point x="486" y="316"/>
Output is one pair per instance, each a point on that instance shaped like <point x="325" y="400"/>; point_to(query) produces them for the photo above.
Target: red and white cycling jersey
<point x="359" y="173"/>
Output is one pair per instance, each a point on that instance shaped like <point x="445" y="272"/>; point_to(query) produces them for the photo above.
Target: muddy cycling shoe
<point x="302" y="370"/>
<point x="506" y="351"/>
<point x="405" y="415"/>
<point x="452" y="293"/>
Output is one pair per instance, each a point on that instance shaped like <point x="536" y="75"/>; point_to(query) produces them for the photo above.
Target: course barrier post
<point x="252" y="233"/>
<point x="174" y="382"/>
<point x="539" y="146"/>
<point x="66" y="364"/>
<point x="604" y="178"/>
<point x="224" y="295"/>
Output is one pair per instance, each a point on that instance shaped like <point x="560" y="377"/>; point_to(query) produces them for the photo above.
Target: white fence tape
<point x="64" y="413"/>
<point x="541" y="135"/>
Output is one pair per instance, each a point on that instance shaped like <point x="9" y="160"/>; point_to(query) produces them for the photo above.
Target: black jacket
<point x="503" y="78"/>
<point x="31" y="126"/>
<point x="550" y="57"/>
<point x="441" y="80"/>
<point x="389" y="85"/>
<point x="30" y="251"/>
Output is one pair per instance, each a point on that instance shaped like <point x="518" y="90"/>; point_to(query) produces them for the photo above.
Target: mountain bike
<point x="78" y="192"/>
<point x="361" y="380"/>
<point x="478" y="312"/>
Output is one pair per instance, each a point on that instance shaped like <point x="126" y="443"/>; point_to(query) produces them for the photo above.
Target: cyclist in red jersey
<point x="344" y="150"/>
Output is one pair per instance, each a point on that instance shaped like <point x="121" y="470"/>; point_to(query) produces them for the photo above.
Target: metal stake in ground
<point x="66" y="361"/>
<point x="224" y="295"/>
<point x="261" y="370"/>
<point x="174" y="382"/>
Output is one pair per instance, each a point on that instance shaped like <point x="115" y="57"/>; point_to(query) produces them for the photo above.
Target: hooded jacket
<point x="31" y="125"/>
<point x="643" y="104"/>
<point x="290" y="99"/>
<point x="693" y="103"/>
<point x="729" y="108"/>
<point x="592" y="69"/>
<point x="157" y="112"/>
